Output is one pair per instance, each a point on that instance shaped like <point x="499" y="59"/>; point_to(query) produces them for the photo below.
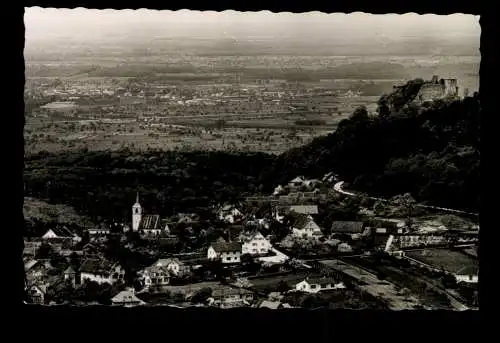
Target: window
<point x="314" y="286"/>
<point x="254" y="244"/>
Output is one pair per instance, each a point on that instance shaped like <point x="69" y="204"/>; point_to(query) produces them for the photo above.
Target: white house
<point x="173" y="266"/>
<point x="314" y="285"/>
<point x="61" y="232"/>
<point x="255" y="243"/>
<point x="229" y="214"/>
<point x="126" y="298"/>
<point x="467" y="274"/>
<point x="155" y="276"/>
<point x="227" y="252"/>
<point x="296" y="182"/>
<point x="101" y="271"/>
<point x="303" y="226"/>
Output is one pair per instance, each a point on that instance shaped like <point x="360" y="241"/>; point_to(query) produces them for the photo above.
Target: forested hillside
<point x="104" y="184"/>
<point x="431" y="152"/>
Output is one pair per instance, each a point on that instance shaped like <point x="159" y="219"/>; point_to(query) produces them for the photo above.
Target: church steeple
<point x="136" y="214"/>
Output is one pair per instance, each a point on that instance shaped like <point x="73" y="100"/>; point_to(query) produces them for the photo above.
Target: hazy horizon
<point x="336" y="33"/>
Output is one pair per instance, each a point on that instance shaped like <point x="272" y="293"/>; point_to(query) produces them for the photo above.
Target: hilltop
<point x="431" y="151"/>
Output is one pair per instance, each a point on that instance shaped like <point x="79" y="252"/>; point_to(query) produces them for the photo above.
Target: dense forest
<point x="430" y="151"/>
<point x="104" y="184"/>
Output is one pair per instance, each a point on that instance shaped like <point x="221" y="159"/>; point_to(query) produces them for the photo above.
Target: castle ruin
<point x="437" y="89"/>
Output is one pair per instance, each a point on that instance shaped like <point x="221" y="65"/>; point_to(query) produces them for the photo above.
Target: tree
<point x="407" y="204"/>
<point x="202" y="295"/>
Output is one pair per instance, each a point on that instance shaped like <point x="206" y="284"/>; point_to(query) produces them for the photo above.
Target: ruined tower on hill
<point x="437" y="89"/>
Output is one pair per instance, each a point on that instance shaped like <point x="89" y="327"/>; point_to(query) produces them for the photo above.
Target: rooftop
<point x="226" y="246"/>
<point x="347" y="227"/>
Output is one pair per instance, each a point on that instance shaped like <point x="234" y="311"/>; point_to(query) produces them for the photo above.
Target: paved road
<point x="338" y="188"/>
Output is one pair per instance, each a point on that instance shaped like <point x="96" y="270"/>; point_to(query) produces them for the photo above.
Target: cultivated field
<point x="449" y="260"/>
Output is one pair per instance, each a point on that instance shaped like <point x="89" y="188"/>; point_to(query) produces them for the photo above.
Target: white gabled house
<point x="61" y="232"/>
<point x="227" y="252"/>
<point x="315" y="285"/>
<point x="255" y="243"/>
<point x="229" y="214"/>
<point x="304" y="226"/>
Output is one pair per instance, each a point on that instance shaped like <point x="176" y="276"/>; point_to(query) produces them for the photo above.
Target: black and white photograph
<point x="251" y="159"/>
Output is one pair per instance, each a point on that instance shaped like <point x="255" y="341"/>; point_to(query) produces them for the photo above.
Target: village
<point x="266" y="252"/>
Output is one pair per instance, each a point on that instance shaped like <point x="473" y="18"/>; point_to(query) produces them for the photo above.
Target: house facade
<point x="155" y="276"/>
<point x="126" y="298"/>
<point x="173" y="265"/>
<point x="226" y="296"/>
<point x="227" y="252"/>
<point x="304" y="226"/>
<point x="101" y="271"/>
<point x="254" y="244"/>
<point x="229" y="214"/>
<point x="36" y="294"/>
<point x="61" y="232"/>
<point x="467" y="274"/>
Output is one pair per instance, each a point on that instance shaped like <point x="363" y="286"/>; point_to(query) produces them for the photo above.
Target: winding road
<point x="338" y="188"/>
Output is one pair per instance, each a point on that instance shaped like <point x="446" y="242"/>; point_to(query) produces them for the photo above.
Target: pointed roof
<point x="137" y="200"/>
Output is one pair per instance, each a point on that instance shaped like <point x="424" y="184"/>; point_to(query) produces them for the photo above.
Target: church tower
<point x="136" y="214"/>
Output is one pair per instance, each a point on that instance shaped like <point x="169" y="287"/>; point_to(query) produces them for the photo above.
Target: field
<point x="449" y="260"/>
<point x="246" y="103"/>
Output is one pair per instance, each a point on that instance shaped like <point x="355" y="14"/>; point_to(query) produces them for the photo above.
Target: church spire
<point x="137" y="198"/>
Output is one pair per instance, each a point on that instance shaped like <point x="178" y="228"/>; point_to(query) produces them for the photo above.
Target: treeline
<point x="104" y="184"/>
<point x="431" y="152"/>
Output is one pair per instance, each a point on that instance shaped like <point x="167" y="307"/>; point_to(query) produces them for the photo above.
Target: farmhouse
<point x="227" y="252"/>
<point x="61" y="232"/>
<point x="314" y="285"/>
<point x="352" y="228"/>
<point x="229" y="213"/>
<point x="101" y="271"/>
<point x="226" y="295"/>
<point x="254" y="243"/>
<point x="126" y="298"/>
<point x="155" y="276"/>
<point x="173" y="265"/>
<point x="304" y="226"/>
<point x="36" y="294"/>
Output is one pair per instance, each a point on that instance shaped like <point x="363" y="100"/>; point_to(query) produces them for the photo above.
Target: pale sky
<point x="41" y="23"/>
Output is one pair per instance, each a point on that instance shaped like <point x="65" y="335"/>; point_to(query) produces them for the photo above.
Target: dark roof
<point x="321" y="281"/>
<point x="382" y="223"/>
<point x="62" y="231"/>
<point x="95" y="266"/>
<point x="305" y="209"/>
<point x="150" y="222"/>
<point x="347" y="227"/>
<point x="229" y="291"/>
<point x="299" y="220"/>
<point x="226" y="246"/>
